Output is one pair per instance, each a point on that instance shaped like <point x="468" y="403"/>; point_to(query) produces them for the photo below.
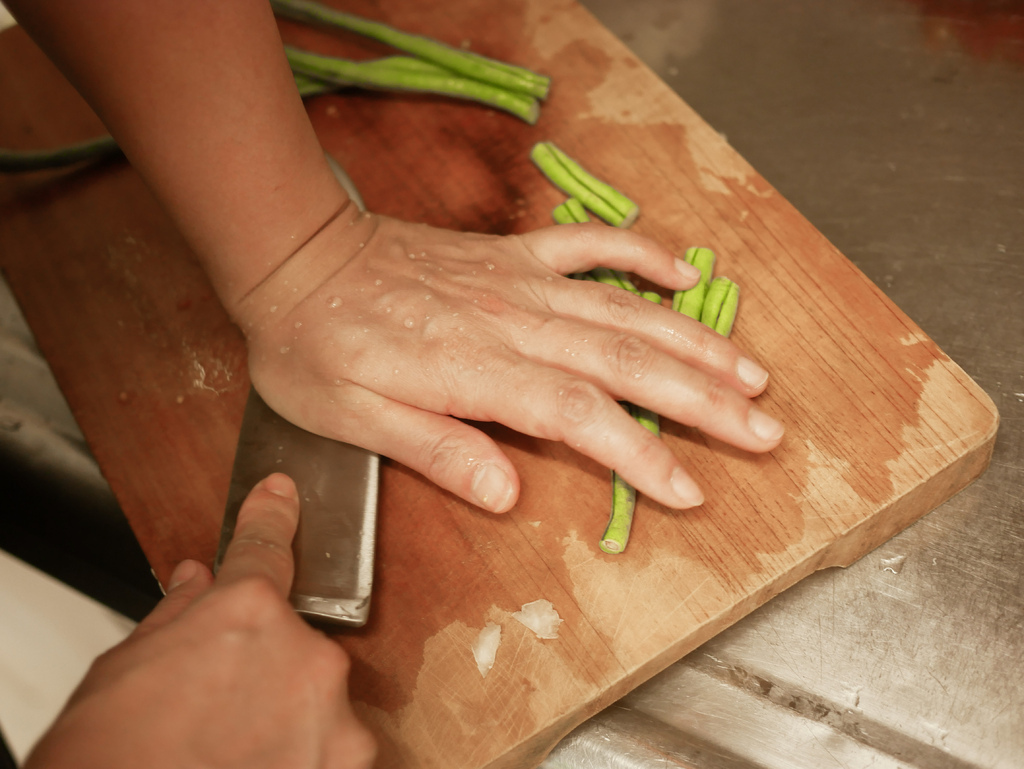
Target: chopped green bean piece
<point x="570" y="212"/>
<point x="691" y="301"/>
<point x="727" y="315"/>
<point x="620" y="522"/>
<point x="600" y="198"/>
<point x="715" y="300"/>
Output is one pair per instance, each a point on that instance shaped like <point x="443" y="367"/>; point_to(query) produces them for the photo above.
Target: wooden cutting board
<point x="882" y="426"/>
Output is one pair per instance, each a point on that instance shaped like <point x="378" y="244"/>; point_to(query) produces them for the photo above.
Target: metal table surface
<point x="897" y="128"/>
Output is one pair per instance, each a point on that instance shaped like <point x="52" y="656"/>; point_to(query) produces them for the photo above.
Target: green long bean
<point x="570" y="212"/>
<point x="719" y="311"/>
<point x="471" y="65"/>
<point x="20" y="161"/>
<point x="620" y="521"/>
<point x="405" y="73"/>
<point x="690" y="301"/>
<point x="570" y="177"/>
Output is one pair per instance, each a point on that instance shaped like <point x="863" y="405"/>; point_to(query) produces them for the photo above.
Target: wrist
<point x="295" y="278"/>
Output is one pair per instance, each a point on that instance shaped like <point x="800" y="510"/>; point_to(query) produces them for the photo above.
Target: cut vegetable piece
<point x="570" y="212"/>
<point x="612" y="278"/>
<point x="600" y="198"/>
<point x="470" y="65"/>
<point x="486" y="648"/>
<point x="404" y="73"/>
<point x="620" y="522"/>
<point x="691" y="301"/>
<point x="714" y="301"/>
<point x="540" y="617"/>
<point x="727" y="315"/>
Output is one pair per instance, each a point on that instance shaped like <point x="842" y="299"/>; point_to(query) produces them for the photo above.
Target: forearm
<point x="200" y="97"/>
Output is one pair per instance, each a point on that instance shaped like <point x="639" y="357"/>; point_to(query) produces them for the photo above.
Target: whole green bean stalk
<point x="470" y="65"/>
<point x="405" y="73"/>
<point x="19" y="161"/>
<point x="570" y="177"/>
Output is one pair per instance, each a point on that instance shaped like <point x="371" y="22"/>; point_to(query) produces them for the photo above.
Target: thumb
<point x="188" y="581"/>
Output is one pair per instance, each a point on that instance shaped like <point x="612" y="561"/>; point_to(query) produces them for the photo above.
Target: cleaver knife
<point x="337" y="484"/>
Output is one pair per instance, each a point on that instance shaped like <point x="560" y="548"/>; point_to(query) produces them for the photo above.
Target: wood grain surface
<point x="882" y="426"/>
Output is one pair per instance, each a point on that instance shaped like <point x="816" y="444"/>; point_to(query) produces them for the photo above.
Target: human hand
<point x="378" y="333"/>
<point x="221" y="674"/>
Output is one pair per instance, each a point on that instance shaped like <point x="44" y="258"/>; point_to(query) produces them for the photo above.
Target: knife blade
<point x="337" y="484"/>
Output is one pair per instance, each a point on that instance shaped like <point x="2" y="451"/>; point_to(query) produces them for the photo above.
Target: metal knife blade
<point x="337" y="484"/>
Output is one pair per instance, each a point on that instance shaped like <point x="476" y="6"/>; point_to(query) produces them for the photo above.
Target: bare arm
<point x="200" y="97"/>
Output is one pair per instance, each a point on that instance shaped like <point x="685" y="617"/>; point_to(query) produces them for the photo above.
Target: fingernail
<point x="687" y="270"/>
<point x="763" y="426"/>
<point x="750" y="373"/>
<point x="183" y="572"/>
<point x="491" y="488"/>
<point x="282" y="485"/>
<point x="686" y="489"/>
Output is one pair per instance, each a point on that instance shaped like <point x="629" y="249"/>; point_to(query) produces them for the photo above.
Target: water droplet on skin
<point x="334" y="301"/>
<point x="548" y="278"/>
<point x="412" y="256"/>
<point x="427" y="297"/>
<point x="387" y="309"/>
<point x="408" y="323"/>
<point x="285" y="349"/>
<point x="489" y="266"/>
<point x="298" y="324"/>
<point x="337" y="382"/>
<point x="395" y="372"/>
<point x="422" y="277"/>
<point x="479" y="367"/>
<point x="455" y="315"/>
<point x="423" y="253"/>
<point x="378" y="282"/>
<point x="273" y="308"/>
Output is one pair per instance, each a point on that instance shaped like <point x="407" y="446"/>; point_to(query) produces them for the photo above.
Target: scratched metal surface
<point x="897" y="128"/>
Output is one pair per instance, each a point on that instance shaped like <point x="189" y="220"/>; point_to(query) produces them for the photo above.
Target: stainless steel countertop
<point x="897" y="128"/>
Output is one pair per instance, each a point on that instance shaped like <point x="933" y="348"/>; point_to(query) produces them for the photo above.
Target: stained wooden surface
<point x="882" y="426"/>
